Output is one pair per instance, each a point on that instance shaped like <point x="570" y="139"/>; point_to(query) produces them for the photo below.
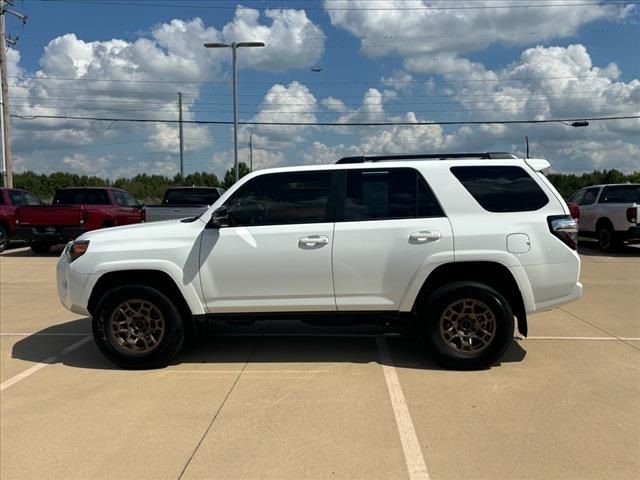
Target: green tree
<point x="229" y="177"/>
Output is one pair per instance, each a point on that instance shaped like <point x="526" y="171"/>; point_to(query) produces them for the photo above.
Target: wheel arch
<point x="489" y="273"/>
<point x="157" y="279"/>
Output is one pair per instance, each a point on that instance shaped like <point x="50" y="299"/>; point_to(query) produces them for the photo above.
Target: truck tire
<point x="41" y="247"/>
<point x="4" y="238"/>
<point x="138" y="327"/>
<point x="467" y="325"/>
<point x="607" y="239"/>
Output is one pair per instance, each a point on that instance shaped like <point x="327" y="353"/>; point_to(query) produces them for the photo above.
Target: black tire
<point x="607" y="239"/>
<point x="482" y="302"/>
<point x="4" y="238"/>
<point x="41" y="247"/>
<point x="136" y="354"/>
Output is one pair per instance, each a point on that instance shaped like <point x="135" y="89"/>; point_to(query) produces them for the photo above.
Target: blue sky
<point x="381" y="60"/>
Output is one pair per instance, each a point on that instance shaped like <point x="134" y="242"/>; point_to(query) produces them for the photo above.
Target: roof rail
<point x="430" y="156"/>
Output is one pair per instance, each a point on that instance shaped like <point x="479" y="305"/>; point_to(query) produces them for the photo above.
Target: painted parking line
<point x="40" y="365"/>
<point x="610" y="339"/>
<point x="408" y="438"/>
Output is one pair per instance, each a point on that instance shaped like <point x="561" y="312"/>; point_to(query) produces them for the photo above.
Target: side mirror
<point x="219" y="218"/>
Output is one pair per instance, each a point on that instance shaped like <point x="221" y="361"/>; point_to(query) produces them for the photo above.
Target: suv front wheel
<point x="467" y="325"/>
<point x="138" y="327"/>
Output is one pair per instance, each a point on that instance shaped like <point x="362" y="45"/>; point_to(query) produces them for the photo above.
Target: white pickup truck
<point x="182" y="202"/>
<point x="608" y="213"/>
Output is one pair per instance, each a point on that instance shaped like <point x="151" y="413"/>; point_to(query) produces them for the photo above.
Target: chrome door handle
<point x="314" y="240"/>
<point x="425" y="236"/>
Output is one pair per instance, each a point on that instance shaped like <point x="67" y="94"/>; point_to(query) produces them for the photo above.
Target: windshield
<point x="84" y="196"/>
<point x="621" y="194"/>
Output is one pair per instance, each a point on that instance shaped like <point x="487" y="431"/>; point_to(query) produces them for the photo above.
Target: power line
<point x="208" y="5"/>
<point x="330" y="124"/>
<point x="381" y="82"/>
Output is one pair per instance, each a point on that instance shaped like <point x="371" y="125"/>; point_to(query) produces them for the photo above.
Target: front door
<point x="276" y="255"/>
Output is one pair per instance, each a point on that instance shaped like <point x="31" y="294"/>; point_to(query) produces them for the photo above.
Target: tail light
<point x="632" y="214"/>
<point x="565" y="228"/>
<point x="143" y="215"/>
<point x="574" y="210"/>
<point x="84" y="217"/>
<point x="76" y="249"/>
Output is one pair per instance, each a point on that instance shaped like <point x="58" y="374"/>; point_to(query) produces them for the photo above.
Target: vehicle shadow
<point x="23" y="251"/>
<point x="591" y="249"/>
<point x="265" y="342"/>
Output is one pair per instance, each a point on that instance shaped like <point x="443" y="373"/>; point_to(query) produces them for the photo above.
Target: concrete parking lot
<point x="299" y="402"/>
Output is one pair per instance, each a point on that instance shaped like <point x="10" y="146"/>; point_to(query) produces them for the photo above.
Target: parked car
<point x="10" y="200"/>
<point x="454" y="248"/>
<point x="608" y="213"/>
<point x="73" y="212"/>
<point x="183" y="202"/>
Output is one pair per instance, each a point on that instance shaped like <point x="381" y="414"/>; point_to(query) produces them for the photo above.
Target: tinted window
<point x="281" y="198"/>
<point x="86" y="196"/>
<point x="388" y="194"/>
<point x="502" y="189"/>
<point x="576" y="197"/>
<point x="621" y="194"/>
<point x="191" y="196"/>
<point x="124" y="199"/>
<point x="24" y="198"/>
<point x="589" y="197"/>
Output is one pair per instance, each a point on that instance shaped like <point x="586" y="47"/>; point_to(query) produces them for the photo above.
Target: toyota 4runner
<point x="459" y="247"/>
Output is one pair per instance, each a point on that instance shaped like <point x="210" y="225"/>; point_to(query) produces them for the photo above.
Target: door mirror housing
<point x="219" y="218"/>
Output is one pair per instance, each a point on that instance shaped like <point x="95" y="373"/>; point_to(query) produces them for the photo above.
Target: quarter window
<point x="501" y="189"/>
<point x="386" y="194"/>
<point x="281" y="199"/>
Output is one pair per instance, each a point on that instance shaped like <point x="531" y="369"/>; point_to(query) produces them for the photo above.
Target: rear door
<point x="388" y="225"/>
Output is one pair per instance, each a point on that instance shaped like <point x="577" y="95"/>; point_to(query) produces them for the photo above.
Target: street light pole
<point x="235" y="113"/>
<point x="234" y="46"/>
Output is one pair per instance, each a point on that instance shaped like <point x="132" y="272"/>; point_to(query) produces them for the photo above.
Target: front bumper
<point x="51" y="234"/>
<point x="74" y="287"/>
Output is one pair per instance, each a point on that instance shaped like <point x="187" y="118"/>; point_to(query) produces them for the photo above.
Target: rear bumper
<point x="631" y="235"/>
<point x="51" y="234"/>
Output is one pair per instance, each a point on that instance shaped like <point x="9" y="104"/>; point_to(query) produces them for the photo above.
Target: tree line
<point x="150" y="188"/>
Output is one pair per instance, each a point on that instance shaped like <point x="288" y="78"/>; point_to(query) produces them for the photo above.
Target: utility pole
<point x="7" y="170"/>
<point x="251" y="153"/>
<point x="181" y="136"/>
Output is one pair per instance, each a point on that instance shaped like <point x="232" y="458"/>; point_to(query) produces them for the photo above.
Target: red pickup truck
<point x="73" y="212"/>
<point x="10" y="200"/>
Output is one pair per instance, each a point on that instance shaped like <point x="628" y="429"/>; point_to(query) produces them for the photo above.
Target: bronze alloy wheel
<point x="136" y="327"/>
<point x="467" y="326"/>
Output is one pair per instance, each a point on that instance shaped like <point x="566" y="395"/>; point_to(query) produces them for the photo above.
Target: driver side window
<point x="281" y="199"/>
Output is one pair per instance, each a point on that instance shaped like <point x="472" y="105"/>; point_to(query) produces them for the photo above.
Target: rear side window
<point x="83" y="196"/>
<point x="621" y="194"/>
<point x="19" y="197"/>
<point x="281" y="199"/>
<point x="191" y="196"/>
<point x="388" y="194"/>
<point x="502" y="189"/>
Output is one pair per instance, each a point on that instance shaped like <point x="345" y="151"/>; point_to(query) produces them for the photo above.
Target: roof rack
<point x="430" y="156"/>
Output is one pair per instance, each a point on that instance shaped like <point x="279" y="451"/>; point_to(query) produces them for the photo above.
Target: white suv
<point x="454" y="245"/>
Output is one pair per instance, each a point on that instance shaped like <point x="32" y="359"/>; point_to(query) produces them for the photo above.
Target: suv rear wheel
<point x="468" y="325"/>
<point x="138" y="327"/>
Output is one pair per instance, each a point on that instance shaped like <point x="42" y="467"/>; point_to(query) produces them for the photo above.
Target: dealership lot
<point x="295" y="402"/>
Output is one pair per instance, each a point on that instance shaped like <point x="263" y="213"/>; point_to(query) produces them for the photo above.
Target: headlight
<point x="77" y="248"/>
